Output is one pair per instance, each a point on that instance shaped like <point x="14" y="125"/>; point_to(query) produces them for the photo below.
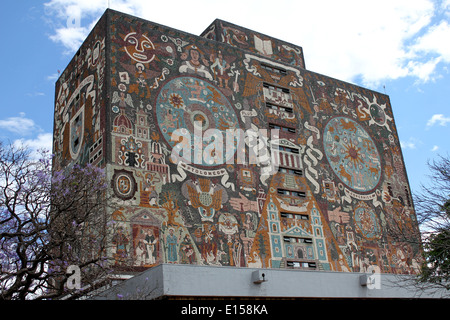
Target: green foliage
<point x="436" y="268"/>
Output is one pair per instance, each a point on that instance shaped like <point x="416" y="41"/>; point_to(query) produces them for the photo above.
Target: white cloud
<point x="19" y="125"/>
<point x="433" y="41"/>
<point x="372" y="41"/>
<point x="71" y="16"/>
<point x="435" y="148"/>
<point x="439" y="119"/>
<point x="408" y="144"/>
<point x="36" y="94"/>
<point x="423" y="71"/>
<point x="43" y="141"/>
<point x="53" y="77"/>
<point x="412" y="143"/>
<point x="70" y="38"/>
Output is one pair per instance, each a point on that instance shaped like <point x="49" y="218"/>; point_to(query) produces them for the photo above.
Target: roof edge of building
<point x="201" y="281"/>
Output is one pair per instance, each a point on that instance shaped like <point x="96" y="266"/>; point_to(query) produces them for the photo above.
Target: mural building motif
<point x="339" y="199"/>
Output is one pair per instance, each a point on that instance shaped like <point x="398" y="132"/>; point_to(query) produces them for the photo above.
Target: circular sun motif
<point x="176" y="100"/>
<point x="191" y="105"/>
<point x="352" y="154"/>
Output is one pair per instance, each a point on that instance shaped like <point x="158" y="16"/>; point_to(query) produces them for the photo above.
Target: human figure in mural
<point x="172" y="243"/>
<point x="141" y="87"/>
<point x="249" y="225"/>
<point x="140" y="253"/>
<point x="150" y="245"/>
<point x="208" y="247"/>
<point x="219" y="67"/>
<point x="238" y="252"/>
<point x="120" y="240"/>
<point x="197" y="91"/>
<point x="193" y="65"/>
<point x="223" y="253"/>
<point x="187" y="254"/>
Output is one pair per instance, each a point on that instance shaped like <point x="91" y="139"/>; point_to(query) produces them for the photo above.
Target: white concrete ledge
<point x="175" y="280"/>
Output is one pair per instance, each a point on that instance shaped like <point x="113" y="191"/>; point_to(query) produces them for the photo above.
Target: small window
<point x="294" y="216"/>
<point x="301" y="264"/>
<point x="275" y="88"/>
<point x="301" y="194"/>
<point x="281" y="128"/>
<point x="297" y="240"/>
<point x="291" y="130"/>
<point x="279" y="108"/>
<point x="273" y="69"/>
<point x="288" y="149"/>
<point x="286" y="215"/>
<point x="290" y="171"/>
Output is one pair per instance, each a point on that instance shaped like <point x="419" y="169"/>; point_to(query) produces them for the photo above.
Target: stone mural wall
<point x="339" y="198"/>
<point x="80" y="105"/>
<point x="255" y="42"/>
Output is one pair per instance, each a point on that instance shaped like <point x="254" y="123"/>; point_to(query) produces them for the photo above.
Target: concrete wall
<point x="166" y="281"/>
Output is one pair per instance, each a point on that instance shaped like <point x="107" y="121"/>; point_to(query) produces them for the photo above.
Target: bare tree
<point x="48" y="222"/>
<point x="433" y="213"/>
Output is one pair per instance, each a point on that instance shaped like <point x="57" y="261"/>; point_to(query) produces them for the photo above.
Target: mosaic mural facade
<point x="336" y="201"/>
<point x="80" y="105"/>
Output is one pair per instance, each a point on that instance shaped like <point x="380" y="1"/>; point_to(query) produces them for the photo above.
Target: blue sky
<point x="397" y="47"/>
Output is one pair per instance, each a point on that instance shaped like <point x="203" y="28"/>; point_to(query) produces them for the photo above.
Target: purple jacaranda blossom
<point x="49" y="220"/>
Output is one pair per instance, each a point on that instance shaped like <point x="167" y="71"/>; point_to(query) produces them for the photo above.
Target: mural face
<point x="338" y="201"/>
<point x="139" y="47"/>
